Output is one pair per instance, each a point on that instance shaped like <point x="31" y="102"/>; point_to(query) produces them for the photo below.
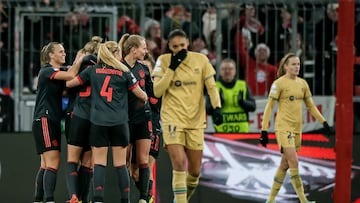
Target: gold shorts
<point x="190" y="138"/>
<point x="288" y="139"/>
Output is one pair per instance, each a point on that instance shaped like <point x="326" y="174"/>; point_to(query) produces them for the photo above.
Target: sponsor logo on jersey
<point x="189" y="83"/>
<point x="178" y="83"/>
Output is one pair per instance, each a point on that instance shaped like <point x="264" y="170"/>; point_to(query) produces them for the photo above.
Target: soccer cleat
<point x="74" y="199"/>
<point x="142" y="201"/>
<point x="151" y="199"/>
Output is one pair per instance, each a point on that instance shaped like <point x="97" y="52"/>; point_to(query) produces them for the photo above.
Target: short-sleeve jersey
<point x="290" y="94"/>
<point x="82" y="101"/>
<point x="142" y="75"/>
<point x="109" y="94"/>
<point x="183" y="102"/>
<point x="49" y="94"/>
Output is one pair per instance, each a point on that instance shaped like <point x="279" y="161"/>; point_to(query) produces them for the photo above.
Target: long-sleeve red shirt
<point x="259" y="76"/>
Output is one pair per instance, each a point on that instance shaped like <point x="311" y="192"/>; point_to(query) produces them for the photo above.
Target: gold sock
<point x="191" y="184"/>
<point x="179" y="186"/>
<point x="278" y="181"/>
<point x="297" y="184"/>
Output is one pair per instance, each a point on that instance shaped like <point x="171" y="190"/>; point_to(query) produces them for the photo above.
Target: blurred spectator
<point x="77" y="34"/>
<point x="150" y="61"/>
<point x="172" y="19"/>
<point x="326" y="51"/>
<point x="6" y="71"/>
<point x="228" y="17"/>
<point x="155" y="43"/>
<point x="198" y="44"/>
<point x="299" y="50"/>
<point x="242" y="45"/>
<point x="212" y="48"/>
<point x="39" y="30"/>
<point x="189" y="25"/>
<point x="179" y="17"/>
<point x="248" y="43"/>
<point x="249" y="21"/>
<point x="281" y="30"/>
<point x="209" y="23"/>
<point x="126" y="24"/>
<point x="249" y="26"/>
<point x="259" y="74"/>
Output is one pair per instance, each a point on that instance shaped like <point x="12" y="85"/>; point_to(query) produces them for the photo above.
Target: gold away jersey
<point x="182" y="90"/>
<point x="290" y="94"/>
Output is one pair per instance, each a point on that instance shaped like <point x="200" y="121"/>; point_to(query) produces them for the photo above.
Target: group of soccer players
<point x="115" y="103"/>
<point x="111" y="105"/>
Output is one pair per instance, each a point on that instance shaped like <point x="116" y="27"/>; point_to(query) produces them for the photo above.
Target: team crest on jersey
<point x="196" y="70"/>
<point x="291" y="98"/>
<point x="260" y="76"/>
<point x="141" y="73"/>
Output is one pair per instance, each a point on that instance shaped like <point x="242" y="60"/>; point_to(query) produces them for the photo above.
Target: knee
<point x="86" y="160"/>
<point x="142" y="159"/>
<point x="194" y="172"/>
<point x="194" y="169"/>
<point x="179" y="164"/>
<point x="292" y="163"/>
<point x="135" y="175"/>
<point x="284" y="166"/>
<point x="52" y="163"/>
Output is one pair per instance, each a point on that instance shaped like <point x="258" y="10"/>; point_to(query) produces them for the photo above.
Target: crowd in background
<point x="254" y="35"/>
<point x="252" y="40"/>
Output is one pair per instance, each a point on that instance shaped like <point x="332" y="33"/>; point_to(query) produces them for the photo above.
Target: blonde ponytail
<point x="106" y="56"/>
